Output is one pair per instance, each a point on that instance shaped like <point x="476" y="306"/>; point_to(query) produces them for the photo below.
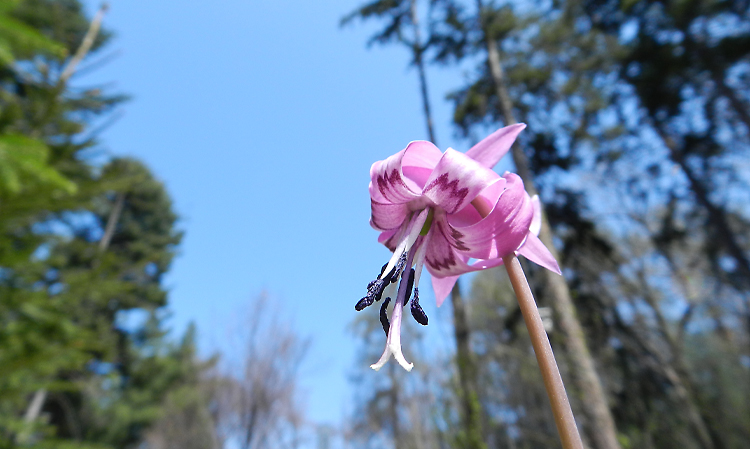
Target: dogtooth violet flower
<point x="452" y="213"/>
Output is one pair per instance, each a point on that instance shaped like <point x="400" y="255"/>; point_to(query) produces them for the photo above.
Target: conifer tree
<point x="83" y="247"/>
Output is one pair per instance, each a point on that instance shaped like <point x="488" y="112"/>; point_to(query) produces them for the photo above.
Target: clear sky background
<point x="262" y="118"/>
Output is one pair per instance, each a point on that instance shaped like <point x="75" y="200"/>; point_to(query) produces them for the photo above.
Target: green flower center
<point x="428" y="222"/>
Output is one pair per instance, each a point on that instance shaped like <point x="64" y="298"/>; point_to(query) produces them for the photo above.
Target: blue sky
<point x="262" y="119"/>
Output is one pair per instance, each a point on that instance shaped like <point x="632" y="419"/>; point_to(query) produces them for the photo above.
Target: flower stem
<point x="566" y="425"/>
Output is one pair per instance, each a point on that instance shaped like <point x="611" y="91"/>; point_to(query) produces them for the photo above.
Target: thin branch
<point x="114" y="216"/>
<point x="85" y="46"/>
<point x="101" y="62"/>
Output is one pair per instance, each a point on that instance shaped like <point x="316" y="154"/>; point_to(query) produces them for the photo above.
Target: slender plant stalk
<point x="601" y="424"/>
<point x="558" y="398"/>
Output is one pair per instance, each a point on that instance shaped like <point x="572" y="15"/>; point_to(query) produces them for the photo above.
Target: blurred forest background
<point x="638" y="116"/>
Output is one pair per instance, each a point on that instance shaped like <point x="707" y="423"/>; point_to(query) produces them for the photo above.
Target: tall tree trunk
<point x="675" y="370"/>
<point x="717" y="216"/>
<point x="418" y="50"/>
<point x="114" y="217"/>
<point x="471" y="410"/>
<point x="680" y="383"/>
<point x="601" y="426"/>
<point x="393" y="396"/>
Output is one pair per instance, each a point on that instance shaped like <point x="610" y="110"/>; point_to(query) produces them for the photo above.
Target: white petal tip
<point x="402" y="361"/>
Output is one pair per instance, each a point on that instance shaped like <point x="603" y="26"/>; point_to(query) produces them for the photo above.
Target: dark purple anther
<point x="416" y="309"/>
<point x="409" y="286"/>
<point x="384" y="316"/>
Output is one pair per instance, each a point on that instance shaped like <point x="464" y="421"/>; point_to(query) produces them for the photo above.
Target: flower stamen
<point x="416" y="310"/>
<point x="409" y="286"/>
<point x="384" y="316"/>
<point x="375" y="288"/>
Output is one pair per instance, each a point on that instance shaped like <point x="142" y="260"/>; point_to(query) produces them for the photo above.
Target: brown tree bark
<point x="601" y="426"/>
<point x="418" y="51"/>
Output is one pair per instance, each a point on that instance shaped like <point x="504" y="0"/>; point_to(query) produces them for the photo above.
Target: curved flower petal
<point x="443" y="260"/>
<point x="452" y="213"/>
<point x="501" y="232"/>
<point x="391" y="238"/>
<point x="387" y="216"/>
<point x="443" y="287"/>
<point x="400" y="178"/>
<point x="493" y="147"/>
<point x="534" y="250"/>
<point x="420" y="158"/>
<point x="456" y="181"/>
<point x="485" y="201"/>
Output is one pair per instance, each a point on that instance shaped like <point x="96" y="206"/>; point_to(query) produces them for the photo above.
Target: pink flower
<point x="442" y="210"/>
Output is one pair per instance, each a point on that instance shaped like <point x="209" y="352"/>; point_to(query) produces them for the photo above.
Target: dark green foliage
<point x="395" y="12"/>
<point x="63" y="21"/>
<point x="83" y="248"/>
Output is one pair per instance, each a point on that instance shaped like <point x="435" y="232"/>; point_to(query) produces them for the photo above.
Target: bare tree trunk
<point x="85" y="47"/>
<point x="393" y="405"/>
<point x="679" y="383"/>
<point x="418" y="50"/>
<point x="112" y="220"/>
<point x="676" y="370"/>
<point x="719" y="79"/>
<point x="601" y="426"/>
<point x="731" y="95"/>
<point x="717" y="216"/>
<point x="471" y="410"/>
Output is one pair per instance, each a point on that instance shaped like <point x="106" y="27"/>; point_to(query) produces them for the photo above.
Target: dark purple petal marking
<point x="457" y="236"/>
<point x="386" y="183"/>
<point x="384" y="316"/>
<point x="456" y="195"/>
<point x="444" y="263"/>
<point x="416" y="310"/>
<point x="442" y="256"/>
